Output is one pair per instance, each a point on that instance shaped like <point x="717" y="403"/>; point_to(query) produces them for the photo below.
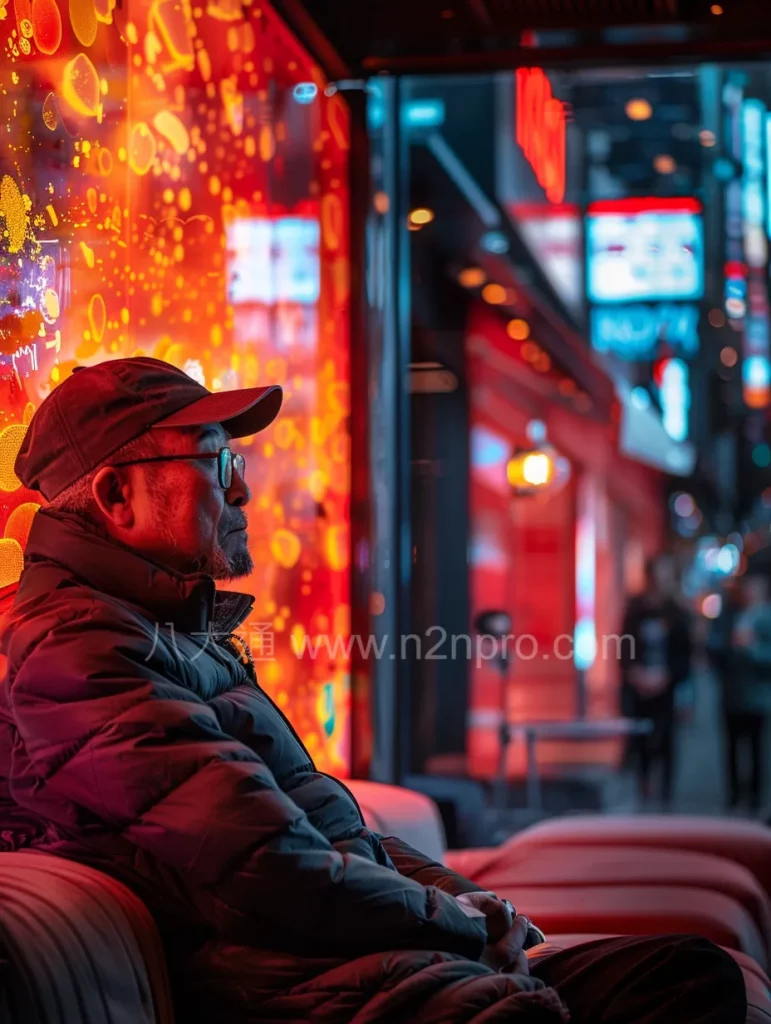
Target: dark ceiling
<point x="375" y="36"/>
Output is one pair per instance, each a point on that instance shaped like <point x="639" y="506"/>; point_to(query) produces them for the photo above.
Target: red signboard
<point x="541" y="131"/>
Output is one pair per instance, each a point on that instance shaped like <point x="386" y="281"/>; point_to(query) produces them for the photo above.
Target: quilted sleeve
<point x="413" y="864"/>
<point x="112" y="733"/>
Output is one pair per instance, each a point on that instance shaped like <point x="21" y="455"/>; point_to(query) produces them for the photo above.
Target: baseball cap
<point x="101" y="408"/>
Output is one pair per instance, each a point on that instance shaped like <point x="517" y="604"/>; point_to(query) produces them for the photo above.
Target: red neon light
<point x="539" y="211"/>
<point x="659" y="369"/>
<point x="649" y="204"/>
<point x="541" y="131"/>
<point x="735" y="269"/>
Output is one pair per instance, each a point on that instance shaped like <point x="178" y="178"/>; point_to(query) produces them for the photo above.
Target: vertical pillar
<point x="388" y="355"/>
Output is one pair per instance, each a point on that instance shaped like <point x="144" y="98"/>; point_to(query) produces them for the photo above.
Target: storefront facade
<point x="560" y="563"/>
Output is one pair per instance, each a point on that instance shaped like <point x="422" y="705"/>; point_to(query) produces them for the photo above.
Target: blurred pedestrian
<point x="746" y="690"/>
<point x="656" y="662"/>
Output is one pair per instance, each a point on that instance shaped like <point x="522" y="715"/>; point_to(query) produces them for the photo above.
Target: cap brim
<point x="241" y="413"/>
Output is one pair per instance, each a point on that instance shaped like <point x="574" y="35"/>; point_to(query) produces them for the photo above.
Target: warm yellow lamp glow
<point x="421" y="216"/>
<point x="529" y="470"/>
<point x="537" y="469"/>
<point x="639" y="110"/>
<point x="495" y="294"/>
<point x="472" y="277"/>
<point x="518" y="330"/>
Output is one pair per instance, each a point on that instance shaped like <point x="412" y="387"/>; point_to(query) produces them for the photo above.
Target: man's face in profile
<point x="184" y="517"/>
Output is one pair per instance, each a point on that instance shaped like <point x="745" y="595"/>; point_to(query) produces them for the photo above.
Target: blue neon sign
<point x="633" y="332"/>
<point x="423" y="113"/>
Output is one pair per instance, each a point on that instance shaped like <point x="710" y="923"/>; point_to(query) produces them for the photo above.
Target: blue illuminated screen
<point x="273" y="260"/>
<point x="637" y="252"/>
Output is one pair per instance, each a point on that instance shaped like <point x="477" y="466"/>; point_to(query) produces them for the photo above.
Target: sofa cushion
<point x="744" y="842"/>
<point x="650" y="910"/>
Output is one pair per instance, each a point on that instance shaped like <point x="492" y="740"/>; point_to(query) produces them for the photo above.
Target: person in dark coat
<point x="135" y="738"/>
<point x="656" y="661"/>
<point x="746" y="690"/>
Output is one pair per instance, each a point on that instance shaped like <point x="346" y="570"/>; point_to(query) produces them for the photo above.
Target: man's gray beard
<point x="217" y="564"/>
<point x="220" y="567"/>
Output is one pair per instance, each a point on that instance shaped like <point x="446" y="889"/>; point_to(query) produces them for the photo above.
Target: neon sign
<point x="757" y="367"/>
<point x="541" y="131"/>
<point x="675" y="397"/>
<point x="585" y="636"/>
<point x="634" y="332"/>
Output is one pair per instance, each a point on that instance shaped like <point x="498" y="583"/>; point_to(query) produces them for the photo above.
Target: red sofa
<point x="88" y="949"/>
<point x="584" y="877"/>
<point x="80" y="947"/>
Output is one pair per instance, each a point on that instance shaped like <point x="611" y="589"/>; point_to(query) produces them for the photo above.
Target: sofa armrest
<point x="80" y="946"/>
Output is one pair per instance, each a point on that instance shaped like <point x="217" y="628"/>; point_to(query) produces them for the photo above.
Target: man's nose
<point x="238" y="493"/>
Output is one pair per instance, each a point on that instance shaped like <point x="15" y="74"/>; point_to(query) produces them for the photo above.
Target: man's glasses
<point x="228" y="462"/>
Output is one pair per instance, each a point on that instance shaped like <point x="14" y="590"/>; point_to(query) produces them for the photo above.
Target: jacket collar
<point x="191" y="603"/>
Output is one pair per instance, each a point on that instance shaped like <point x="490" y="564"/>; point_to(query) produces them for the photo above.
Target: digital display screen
<point x="272" y="261"/>
<point x="644" y="249"/>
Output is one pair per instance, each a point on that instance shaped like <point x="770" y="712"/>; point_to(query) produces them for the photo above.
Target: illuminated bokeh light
<point x="639" y="109"/>
<point x="495" y="294"/>
<point x="154" y="206"/>
<point x="472" y="277"/>
<point x="13" y="210"/>
<point x="80" y="86"/>
<point x="729" y="356"/>
<point x="173" y="130"/>
<point x="518" y="330"/>
<point x="665" y="164"/>
<point x="422" y="215"/>
<point x="46" y="26"/>
<point x="142" y="148"/>
<point x="50" y="113"/>
<point x="20" y="522"/>
<point x="97" y="317"/>
<point x="104" y="9"/>
<point x="11" y="561"/>
<point x="11" y="438"/>
<point x="83" y="21"/>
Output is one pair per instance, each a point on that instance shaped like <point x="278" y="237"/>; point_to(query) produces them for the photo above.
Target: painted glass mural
<point x="173" y="182"/>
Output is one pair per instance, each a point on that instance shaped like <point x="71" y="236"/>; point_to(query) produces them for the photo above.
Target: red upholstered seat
<point x="626" y="875"/>
<point x="565" y="866"/>
<point x="744" y="842"/>
<point x="651" y="910"/>
<point x="81" y="942"/>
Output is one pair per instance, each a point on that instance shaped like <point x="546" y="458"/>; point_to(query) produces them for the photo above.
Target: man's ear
<point x="113" y="495"/>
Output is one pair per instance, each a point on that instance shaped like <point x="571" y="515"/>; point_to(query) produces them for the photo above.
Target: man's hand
<point x="505" y="952"/>
<point x="499" y="917"/>
<point x="506" y="937"/>
<point x="507" y="955"/>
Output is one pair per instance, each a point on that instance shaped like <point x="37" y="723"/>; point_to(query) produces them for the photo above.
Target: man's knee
<point x="699" y="961"/>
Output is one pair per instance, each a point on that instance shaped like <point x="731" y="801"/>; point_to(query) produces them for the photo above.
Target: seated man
<point x="134" y="737"/>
